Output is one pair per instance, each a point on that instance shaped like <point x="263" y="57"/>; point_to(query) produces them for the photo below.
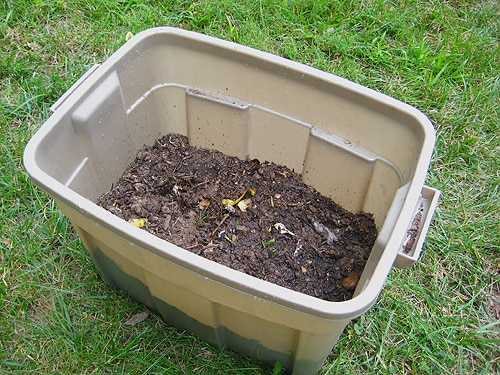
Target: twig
<point x="218" y="226"/>
<point x="180" y="161"/>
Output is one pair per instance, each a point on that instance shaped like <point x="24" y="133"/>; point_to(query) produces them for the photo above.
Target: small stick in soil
<point x="196" y="244"/>
<point x="180" y="161"/>
<point x="298" y="247"/>
<point x="218" y="226"/>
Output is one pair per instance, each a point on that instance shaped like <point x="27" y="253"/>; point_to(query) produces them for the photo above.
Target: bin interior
<point x="354" y="148"/>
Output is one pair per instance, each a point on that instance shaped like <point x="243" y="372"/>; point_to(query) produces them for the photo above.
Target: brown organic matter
<point x="254" y="216"/>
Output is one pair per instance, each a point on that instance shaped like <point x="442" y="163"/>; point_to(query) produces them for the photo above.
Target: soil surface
<point x="255" y="217"/>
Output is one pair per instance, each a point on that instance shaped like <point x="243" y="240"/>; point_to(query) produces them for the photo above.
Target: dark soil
<point x="281" y="231"/>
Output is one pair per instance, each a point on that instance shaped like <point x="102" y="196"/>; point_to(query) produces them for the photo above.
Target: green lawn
<point x="440" y="316"/>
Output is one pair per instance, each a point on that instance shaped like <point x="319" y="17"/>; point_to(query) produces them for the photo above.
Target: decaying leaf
<point x="226" y="201"/>
<point x="204" y="203"/>
<point x="323" y="230"/>
<point x="244" y="204"/>
<point x="137" y="318"/>
<point x="282" y="229"/>
<point x="139" y="223"/>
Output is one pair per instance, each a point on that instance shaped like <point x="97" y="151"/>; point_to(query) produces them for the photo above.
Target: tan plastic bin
<point x="363" y="149"/>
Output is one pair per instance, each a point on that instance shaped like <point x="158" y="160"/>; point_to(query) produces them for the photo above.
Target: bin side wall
<point x="335" y="105"/>
<point x="211" y="311"/>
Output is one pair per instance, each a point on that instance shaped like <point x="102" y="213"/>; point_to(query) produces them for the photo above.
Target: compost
<point x="254" y="216"/>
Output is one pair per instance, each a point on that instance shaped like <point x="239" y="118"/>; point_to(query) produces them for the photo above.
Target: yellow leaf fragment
<point x="235" y="202"/>
<point x="129" y="36"/>
<point x="139" y="223"/>
<point x="244" y="204"/>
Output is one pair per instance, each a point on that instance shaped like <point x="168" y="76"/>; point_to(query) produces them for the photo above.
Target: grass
<point x="437" y="317"/>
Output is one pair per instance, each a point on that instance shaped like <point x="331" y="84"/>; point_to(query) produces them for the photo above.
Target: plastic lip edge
<point x="74" y="87"/>
<point x="284" y="63"/>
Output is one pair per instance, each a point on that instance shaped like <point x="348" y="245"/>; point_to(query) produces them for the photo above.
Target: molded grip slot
<point x="413" y="242"/>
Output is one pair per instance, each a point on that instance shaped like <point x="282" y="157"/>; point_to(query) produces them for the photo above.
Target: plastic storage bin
<point x="363" y="149"/>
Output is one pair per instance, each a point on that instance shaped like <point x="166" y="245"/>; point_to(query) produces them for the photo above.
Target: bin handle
<point x="75" y="85"/>
<point x="412" y="244"/>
